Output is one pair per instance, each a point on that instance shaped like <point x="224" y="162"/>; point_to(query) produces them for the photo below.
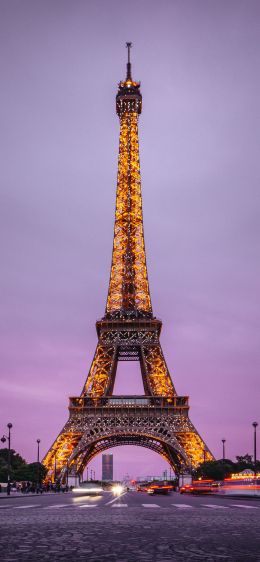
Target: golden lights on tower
<point x="128" y="331"/>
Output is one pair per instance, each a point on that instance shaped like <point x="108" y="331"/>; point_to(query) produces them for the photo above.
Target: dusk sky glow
<point x="198" y="63"/>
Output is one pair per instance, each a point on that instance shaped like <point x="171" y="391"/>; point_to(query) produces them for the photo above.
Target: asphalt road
<point x="133" y="527"/>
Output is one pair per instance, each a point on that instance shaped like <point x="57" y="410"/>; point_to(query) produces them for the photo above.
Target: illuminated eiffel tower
<point x="129" y="331"/>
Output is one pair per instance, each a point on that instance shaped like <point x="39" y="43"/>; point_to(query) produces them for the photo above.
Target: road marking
<point x="26" y="506"/>
<point x="182" y="505"/>
<point x="214" y="506"/>
<point x="120" y="505"/>
<point x="150" y="505"/>
<point x="115" y="499"/>
<point x="244" y="506"/>
<point x="87" y="505"/>
<point x="56" y="506"/>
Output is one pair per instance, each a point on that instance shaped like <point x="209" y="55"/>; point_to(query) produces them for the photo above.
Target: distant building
<point x="107" y="466"/>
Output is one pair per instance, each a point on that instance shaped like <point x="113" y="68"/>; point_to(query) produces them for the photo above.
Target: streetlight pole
<point x="38" y="464"/>
<point x="255" y="424"/>
<point x="3" y="439"/>
<point x="223" y="449"/>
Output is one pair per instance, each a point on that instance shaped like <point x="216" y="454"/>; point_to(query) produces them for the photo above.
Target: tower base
<point x="150" y="422"/>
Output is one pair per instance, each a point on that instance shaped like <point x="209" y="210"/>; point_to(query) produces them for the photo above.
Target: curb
<point x="4" y="496"/>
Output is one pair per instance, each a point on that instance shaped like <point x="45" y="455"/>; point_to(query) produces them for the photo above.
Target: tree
<point x="220" y="469"/>
<point x="20" y="470"/>
<point x="16" y="462"/>
<point x="31" y="472"/>
<point x="214" y="470"/>
<point x="245" y="462"/>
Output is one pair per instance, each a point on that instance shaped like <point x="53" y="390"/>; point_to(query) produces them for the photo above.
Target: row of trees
<point x="20" y="470"/>
<point x="220" y="469"/>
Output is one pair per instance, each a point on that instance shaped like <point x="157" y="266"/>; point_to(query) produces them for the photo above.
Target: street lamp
<point x="255" y="424"/>
<point x="3" y="439"/>
<point x="38" y="464"/>
<point x="223" y="449"/>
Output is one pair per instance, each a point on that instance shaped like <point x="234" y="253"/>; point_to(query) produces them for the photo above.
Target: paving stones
<point x="129" y="535"/>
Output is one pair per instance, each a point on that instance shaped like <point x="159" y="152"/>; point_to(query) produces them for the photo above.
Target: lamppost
<point x="3" y="439"/>
<point x="255" y="424"/>
<point x="223" y="449"/>
<point x="38" y="464"/>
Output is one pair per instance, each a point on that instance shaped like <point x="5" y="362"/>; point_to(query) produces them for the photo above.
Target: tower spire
<point x="128" y="293"/>
<point x="128" y="65"/>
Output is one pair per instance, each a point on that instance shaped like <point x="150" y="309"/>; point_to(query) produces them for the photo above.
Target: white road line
<point x="244" y="506"/>
<point x="150" y="505"/>
<point x="115" y="499"/>
<point x="214" y="506"/>
<point x="119" y="505"/>
<point x="87" y="505"/>
<point x="26" y="506"/>
<point x="182" y="505"/>
<point x="58" y="506"/>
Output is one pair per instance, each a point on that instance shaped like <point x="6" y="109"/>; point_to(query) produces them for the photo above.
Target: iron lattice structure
<point x="128" y="332"/>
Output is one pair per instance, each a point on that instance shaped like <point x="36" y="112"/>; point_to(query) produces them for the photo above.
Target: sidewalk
<point x="15" y="495"/>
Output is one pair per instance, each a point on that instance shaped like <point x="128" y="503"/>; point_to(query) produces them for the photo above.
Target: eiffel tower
<point x="129" y="331"/>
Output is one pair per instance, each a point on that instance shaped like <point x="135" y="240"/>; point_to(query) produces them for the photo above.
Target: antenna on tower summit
<point x="128" y="66"/>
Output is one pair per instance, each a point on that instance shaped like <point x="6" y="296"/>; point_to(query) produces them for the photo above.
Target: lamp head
<point x="9" y="425"/>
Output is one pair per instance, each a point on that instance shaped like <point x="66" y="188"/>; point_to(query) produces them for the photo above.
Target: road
<point x="133" y="527"/>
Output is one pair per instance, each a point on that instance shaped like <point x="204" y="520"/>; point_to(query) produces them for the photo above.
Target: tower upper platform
<point x="129" y="97"/>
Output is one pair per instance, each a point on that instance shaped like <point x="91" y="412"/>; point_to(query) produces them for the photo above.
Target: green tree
<point x="30" y="472"/>
<point x="214" y="470"/>
<point x="20" y="470"/>
<point x="16" y="462"/>
<point x="245" y="462"/>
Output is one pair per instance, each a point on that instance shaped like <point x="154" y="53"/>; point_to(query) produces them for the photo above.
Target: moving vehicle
<point x="245" y="483"/>
<point x="199" y="487"/>
<point x="88" y="489"/>
<point x="159" y="489"/>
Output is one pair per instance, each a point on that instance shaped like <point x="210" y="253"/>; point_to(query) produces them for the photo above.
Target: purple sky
<point x="198" y="63"/>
